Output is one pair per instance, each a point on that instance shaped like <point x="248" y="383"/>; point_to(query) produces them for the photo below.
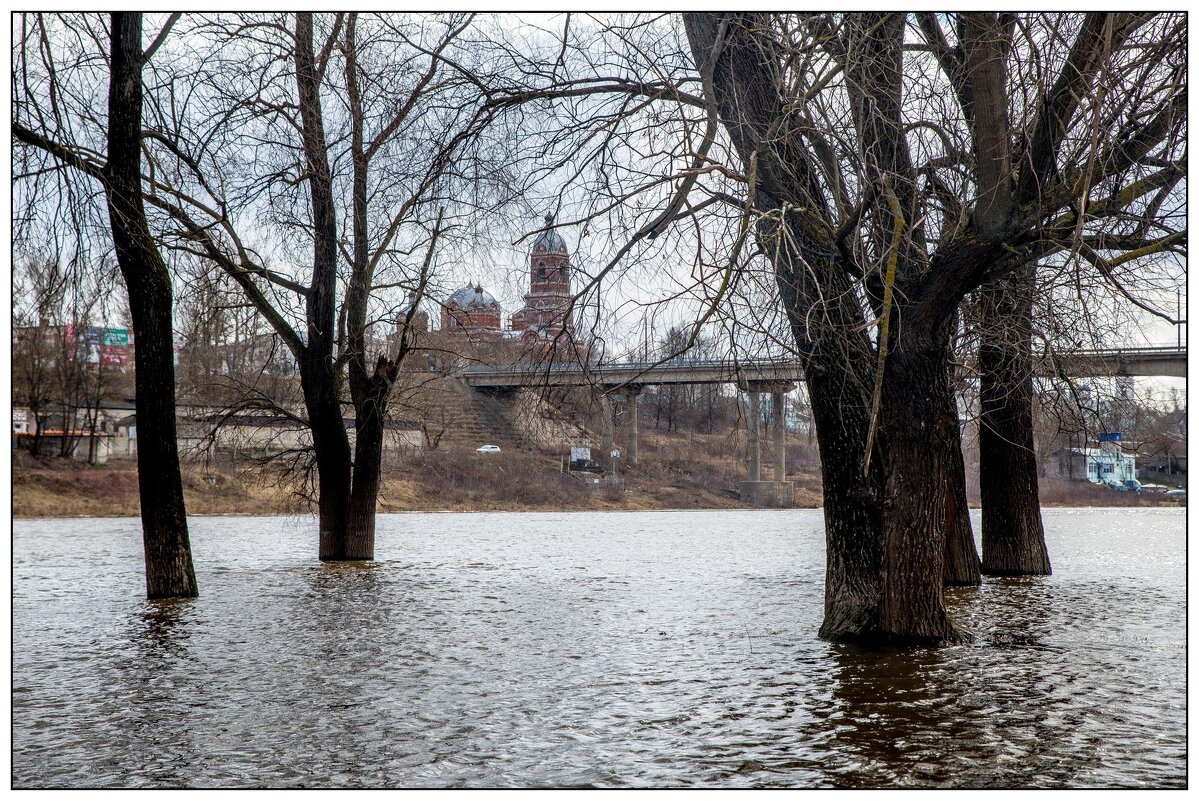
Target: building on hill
<point x="473" y="312"/>
<point x="546" y="323"/>
<point x="472" y="327"/>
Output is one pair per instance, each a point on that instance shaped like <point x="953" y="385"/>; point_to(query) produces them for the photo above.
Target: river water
<point x="647" y="649"/>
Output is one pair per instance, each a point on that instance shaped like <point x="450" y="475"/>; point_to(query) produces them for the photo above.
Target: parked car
<point x="488" y="449"/>
<point x="1176" y="494"/>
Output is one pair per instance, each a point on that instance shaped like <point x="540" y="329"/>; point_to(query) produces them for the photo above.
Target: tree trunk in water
<point x="318" y="374"/>
<point x="368" y="456"/>
<point x="961" y="555"/>
<point x="884" y="525"/>
<point x="332" y="449"/>
<point x="852" y="512"/>
<point x="915" y="444"/>
<point x="370" y="395"/>
<point x="169" y="571"/>
<point x="1013" y="536"/>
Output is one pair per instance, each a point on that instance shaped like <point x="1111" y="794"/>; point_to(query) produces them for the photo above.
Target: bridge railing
<point x="623" y="366"/>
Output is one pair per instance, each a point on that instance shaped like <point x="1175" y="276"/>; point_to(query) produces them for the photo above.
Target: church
<point x="544" y="325"/>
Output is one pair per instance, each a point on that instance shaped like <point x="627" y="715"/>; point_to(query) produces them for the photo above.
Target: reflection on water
<point x="614" y="650"/>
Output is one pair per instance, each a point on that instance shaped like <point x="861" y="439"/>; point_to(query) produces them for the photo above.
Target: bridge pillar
<point x="631" y="394"/>
<point x="780" y="436"/>
<point x="779" y="492"/>
<point x="755" y="420"/>
<point x="607" y="413"/>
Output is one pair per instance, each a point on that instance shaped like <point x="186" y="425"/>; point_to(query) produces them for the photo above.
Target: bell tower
<point x="547" y="305"/>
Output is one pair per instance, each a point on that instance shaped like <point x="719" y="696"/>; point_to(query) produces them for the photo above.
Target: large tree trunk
<point x="368" y="391"/>
<point x="839" y="393"/>
<point x="1013" y="536"/>
<point x="852" y="512"/>
<point x="915" y="446"/>
<point x="318" y="371"/>
<point x="962" y="567"/>
<point x="169" y="571"/>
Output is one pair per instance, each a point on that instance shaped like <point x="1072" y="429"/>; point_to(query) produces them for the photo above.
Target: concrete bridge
<point x="777" y="377"/>
<point x="1164" y="361"/>
<point x="1167" y="361"/>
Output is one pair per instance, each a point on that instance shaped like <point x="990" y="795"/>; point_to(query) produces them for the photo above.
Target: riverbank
<point x="677" y="471"/>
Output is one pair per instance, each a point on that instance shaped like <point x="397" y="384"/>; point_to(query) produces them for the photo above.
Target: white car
<point x="488" y="449"/>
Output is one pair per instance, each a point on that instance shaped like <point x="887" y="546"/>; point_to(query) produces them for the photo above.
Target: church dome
<point x="472" y="297"/>
<point x="550" y="240"/>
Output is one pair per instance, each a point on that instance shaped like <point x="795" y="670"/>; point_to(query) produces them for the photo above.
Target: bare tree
<point x="920" y="207"/>
<point x="169" y="571"/>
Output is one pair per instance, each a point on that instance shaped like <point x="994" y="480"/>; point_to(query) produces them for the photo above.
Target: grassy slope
<point x="677" y="471"/>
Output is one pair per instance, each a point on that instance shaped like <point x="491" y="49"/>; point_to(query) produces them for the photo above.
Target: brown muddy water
<point x="646" y="649"/>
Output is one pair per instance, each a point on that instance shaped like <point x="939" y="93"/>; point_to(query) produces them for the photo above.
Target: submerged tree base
<point x="861" y="626"/>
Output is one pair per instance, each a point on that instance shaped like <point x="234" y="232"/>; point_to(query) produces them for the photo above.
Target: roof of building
<point x="550" y="240"/>
<point x="472" y="297"/>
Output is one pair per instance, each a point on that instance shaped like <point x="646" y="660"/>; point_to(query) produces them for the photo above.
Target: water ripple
<point x="559" y="650"/>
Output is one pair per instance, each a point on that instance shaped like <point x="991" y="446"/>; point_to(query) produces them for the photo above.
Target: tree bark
<point x="169" y="571"/>
<point x="962" y="567"/>
<point x="961" y="555"/>
<point x="1013" y="536"/>
<point x="915" y="445"/>
<point x="370" y="403"/>
<point x="852" y="512"/>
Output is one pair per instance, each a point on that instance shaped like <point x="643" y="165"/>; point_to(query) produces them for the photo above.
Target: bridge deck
<point x="1158" y="361"/>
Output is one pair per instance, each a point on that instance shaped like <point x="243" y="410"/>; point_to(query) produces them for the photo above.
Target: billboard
<point x="103" y="345"/>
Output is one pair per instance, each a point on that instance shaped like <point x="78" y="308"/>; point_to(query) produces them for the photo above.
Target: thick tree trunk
<point x="368" y="460"/>
<point x="368" y="453"/>
<point x="915" y="447"/>
<point x="885" y="525"/>
<point x="962" y="567"/>
<point x="1013" y="536"/>
<point x="852" y="511"/>
<point x="368" y="391"/>
<point x="169" y="571"/>
<point x="838" y="360"/>
<point x="332" y="450"/>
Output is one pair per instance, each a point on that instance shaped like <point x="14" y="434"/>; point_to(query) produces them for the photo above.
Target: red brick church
<point x="547" y="305"/>
<point x="545" y="324"/>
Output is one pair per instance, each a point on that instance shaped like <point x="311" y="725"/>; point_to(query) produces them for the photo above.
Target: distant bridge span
<point x="1167" y="361"/>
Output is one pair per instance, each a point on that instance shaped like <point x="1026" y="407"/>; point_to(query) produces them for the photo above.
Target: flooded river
<point x="655" y="649"/>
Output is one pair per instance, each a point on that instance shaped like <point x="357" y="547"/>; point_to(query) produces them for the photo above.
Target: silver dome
<point x="472" y="297"/>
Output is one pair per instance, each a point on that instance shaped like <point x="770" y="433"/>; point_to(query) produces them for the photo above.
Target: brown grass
<point x="676" y="471"/>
